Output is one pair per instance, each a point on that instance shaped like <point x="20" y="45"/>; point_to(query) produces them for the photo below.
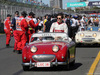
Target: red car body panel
<point x="45" y="48"/>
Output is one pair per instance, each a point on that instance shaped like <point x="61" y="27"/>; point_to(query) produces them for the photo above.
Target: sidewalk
<point x="97" y="70"/>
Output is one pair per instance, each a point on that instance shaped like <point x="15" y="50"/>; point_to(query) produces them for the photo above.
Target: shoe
<point x="19" y="51"/>
<point x="7" y="45"/>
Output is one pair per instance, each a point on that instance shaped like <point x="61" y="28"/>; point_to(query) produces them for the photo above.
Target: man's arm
<point x="65" y="28"/>
<point x="32" y="24"/>
<point x="7" y="24"/>
<point x="25" y="23"/>
<point x="52" y="28"/>
<point x="13" y="23"/>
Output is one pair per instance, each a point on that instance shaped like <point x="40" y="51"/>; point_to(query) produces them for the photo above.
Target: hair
<point x="84" y="15"/>
<point x="31" y="14"/>
<point x="60" y="14"/>
<point x="46" y="15"/>
<point x="49" y="18"/>
<point x="24" y="14"/>
<point x="40" y="18"/>
<point x="17" y="12"/>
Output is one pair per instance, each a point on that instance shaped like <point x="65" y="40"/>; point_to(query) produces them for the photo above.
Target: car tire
<point x="26" y="68"/>
<point x="68" y="64"/>
<point x="72" y="63"/>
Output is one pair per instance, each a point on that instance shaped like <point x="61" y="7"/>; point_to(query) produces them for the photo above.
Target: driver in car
<point x="58" y="38"/>
<point x="40" y="38"/>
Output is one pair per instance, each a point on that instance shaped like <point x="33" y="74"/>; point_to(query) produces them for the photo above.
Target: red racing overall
<point x="19" y="33"/>
<point x="7" y="29"/>
<point x="31" y="26"/>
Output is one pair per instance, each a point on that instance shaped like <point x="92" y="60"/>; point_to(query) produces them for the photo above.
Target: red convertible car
<point x="48" y="50"/>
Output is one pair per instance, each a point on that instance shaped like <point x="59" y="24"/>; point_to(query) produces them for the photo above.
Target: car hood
<point x="47" y="46"/>
<point x="88" y="32"/>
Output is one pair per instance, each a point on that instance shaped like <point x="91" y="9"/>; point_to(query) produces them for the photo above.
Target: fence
<point x="10" y="8"/>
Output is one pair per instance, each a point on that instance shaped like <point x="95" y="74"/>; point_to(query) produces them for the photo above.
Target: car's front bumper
<point x="56" y="63"/>
<point x="88" y="40"/>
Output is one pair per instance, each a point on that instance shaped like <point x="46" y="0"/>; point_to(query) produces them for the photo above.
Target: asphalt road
<point x="10" y="63"/>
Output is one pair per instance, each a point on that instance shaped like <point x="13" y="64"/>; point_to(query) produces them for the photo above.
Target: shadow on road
<point x="53" y="69"/>
<point x="58" y="68"/>
<point x="88" y="46"/>
<point x="6" y="48"/>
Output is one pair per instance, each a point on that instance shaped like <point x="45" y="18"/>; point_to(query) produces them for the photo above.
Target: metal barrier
<point x="10" y="9"/>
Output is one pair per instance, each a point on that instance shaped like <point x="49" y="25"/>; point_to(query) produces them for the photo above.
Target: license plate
<point x="43" y="64"/>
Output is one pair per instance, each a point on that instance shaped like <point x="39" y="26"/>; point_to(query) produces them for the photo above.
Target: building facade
<point x="83" y="0"/>
<point x="56" y="3"/>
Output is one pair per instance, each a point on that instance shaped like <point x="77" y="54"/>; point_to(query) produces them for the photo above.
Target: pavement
<point x="10" y="63"/>
<point x="95" y="67"/>
<point x="97" y="71"/>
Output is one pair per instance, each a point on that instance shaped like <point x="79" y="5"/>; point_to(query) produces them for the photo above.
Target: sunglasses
<point x="59" y="18"/>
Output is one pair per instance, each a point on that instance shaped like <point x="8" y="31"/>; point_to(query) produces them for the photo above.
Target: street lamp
<point x="53" y="10"/>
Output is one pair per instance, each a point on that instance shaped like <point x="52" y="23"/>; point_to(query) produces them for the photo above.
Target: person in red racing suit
<point x="7" y="29"/>
<point x="21" y="28"/>
<point x="14" y="28"/>
<point x="59" y="26"/>
<point x="31" y="25"/>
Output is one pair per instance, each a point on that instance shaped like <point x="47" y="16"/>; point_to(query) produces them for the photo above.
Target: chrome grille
<point x="43" y="58"/>
<point x="88" y="39"/>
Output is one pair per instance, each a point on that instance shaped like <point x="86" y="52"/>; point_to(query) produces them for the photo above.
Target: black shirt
<point x="48" y="26"/>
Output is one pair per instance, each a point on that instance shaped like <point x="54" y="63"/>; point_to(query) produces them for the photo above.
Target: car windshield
<point x="49" y="37"/>
<point x="93" y="28"/>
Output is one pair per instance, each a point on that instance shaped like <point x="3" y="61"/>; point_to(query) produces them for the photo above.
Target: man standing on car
<point x="59" y="26"/>
<point x="7" y="29"/>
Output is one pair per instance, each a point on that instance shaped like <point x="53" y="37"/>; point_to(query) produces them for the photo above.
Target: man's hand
<point x="12" y="25"/>
<point x="38" y="21"/>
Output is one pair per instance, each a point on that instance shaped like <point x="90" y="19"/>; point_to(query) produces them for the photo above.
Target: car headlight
<point x="55" y="48"/>
<point x="94" y="35"/>
<point x="91" y="29"/>
<point x="33" y="49"/>
<point x="82" y="34"/>
<point x="99" y="29"/>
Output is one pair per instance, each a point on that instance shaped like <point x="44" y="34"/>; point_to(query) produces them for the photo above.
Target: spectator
<point x="48" y="24"/>
<point x="54" y="18"/>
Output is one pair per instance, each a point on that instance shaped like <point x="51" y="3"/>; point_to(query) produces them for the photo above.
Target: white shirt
<point x="91" y="19"/>
<point x="75" y="22"/>
<point x="41" y="22"/>
<point x="55" y="27"/>
<point x="35" y="20"/>
<point x="82" y="22"/>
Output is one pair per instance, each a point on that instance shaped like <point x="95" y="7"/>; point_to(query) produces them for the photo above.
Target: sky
<point x="64" y="2"/>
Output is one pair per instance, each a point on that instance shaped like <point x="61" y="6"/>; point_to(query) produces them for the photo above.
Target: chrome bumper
<point x="88" y="40"/>
<point x="52" y="63"/>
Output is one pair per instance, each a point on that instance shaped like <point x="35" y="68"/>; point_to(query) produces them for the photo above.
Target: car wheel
<point x="72" y="63"/>
<point x="26" y="68"/>
<point x="68" y="58"/>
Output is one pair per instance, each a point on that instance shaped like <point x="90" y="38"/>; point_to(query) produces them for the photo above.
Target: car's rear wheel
<point x="26" y="68"/>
